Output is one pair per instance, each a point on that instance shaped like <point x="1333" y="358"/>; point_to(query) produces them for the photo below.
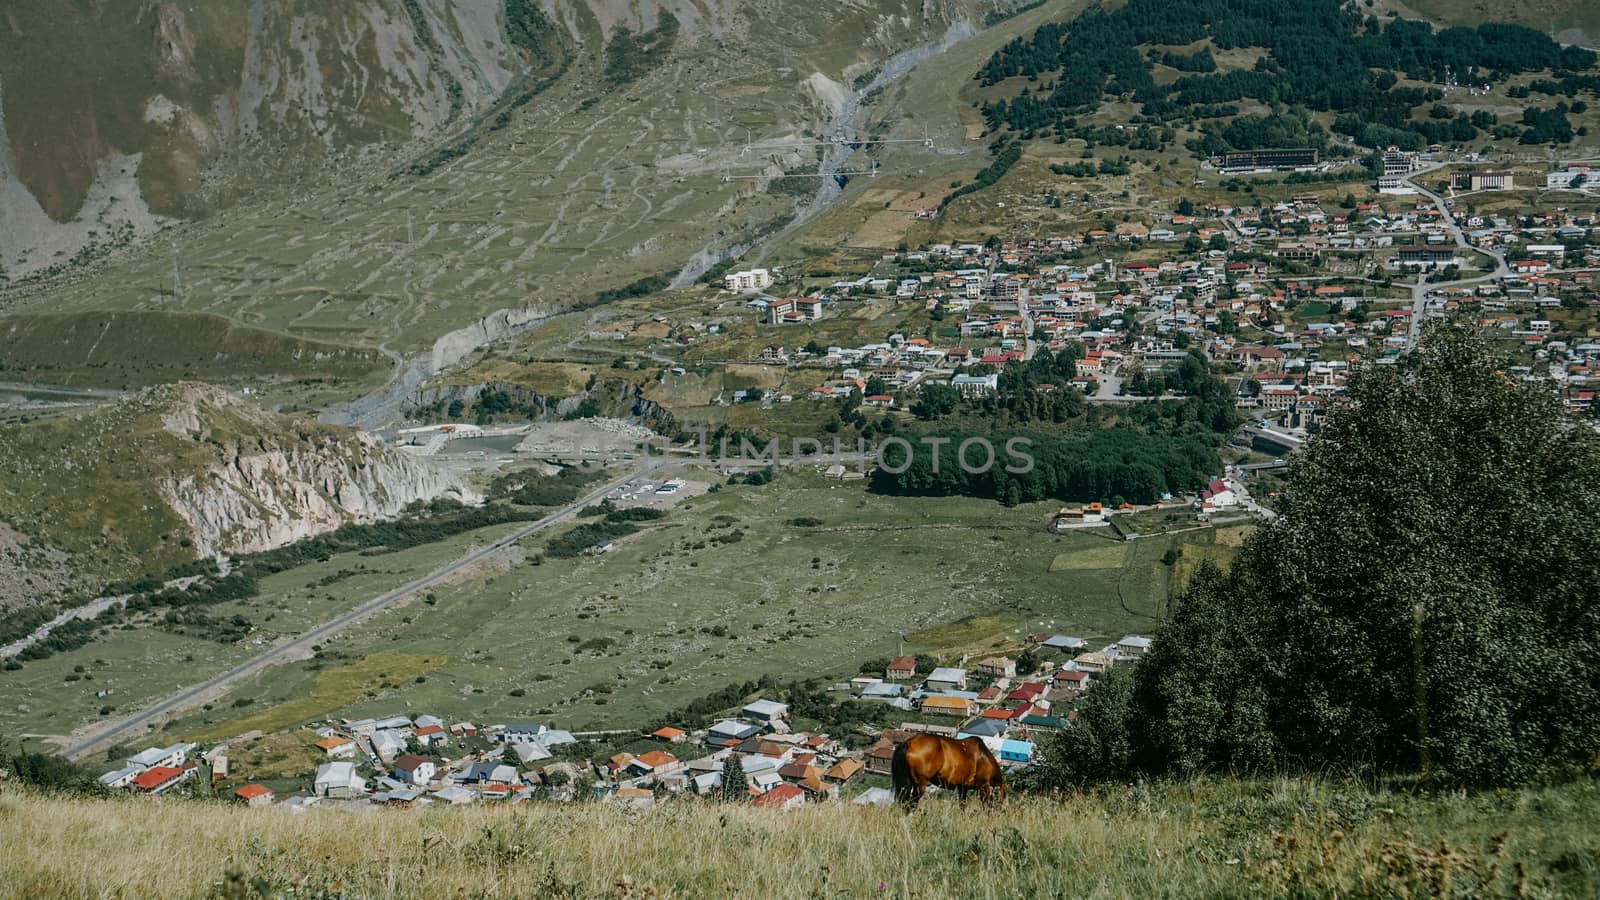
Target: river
<point x="839" y="130"/>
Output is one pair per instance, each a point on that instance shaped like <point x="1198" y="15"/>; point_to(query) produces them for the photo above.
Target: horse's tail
<point x="900" y="772"/>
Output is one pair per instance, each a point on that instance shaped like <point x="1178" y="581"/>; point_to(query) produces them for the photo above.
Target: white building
<point x="976" y="385"/>
<point x="748" y="280"/>
<point x="121" y="778"/>
<point x="173" y="756"/>
<point x="339" y="779"/>
<point x="1572" y="177"/>
<point x="388" y="744"/>
<point x="947" y="678"/>
<point x="1398" y="162"/>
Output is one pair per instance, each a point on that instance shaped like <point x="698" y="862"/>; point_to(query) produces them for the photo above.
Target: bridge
<point x="1268" y="440"/>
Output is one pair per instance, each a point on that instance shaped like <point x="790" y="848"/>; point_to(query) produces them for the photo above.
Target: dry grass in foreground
<point x="1227" y="838"/>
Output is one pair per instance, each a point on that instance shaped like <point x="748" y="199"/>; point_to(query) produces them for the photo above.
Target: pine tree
<point x="734" y="787"/>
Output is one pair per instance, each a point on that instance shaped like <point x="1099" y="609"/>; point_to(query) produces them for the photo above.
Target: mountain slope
<point x="122" y="110"/>
<point x="578" y="177"/>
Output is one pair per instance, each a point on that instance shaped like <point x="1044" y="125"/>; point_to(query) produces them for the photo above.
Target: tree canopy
<point x="1317" y="55"/>
<point x="1425" y="604"/>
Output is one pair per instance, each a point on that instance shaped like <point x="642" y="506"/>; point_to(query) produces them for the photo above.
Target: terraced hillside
<point x="598" y="164"/>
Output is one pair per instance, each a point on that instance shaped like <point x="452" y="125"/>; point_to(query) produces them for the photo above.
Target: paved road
<point x="1420" y="291"/>
<point x="1248" y="502"/>
<point x="110" y="732"/>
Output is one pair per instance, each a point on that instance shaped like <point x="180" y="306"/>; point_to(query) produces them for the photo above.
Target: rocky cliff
<point x="272" y="488"/>
<point x="189" y="470"/>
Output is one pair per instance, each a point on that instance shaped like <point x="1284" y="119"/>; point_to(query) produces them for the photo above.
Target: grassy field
<point x="1282" y="838"/>
<point x="1572" y="21"/>
<point x="335" y="687"/>
<point x="726" y="589"/>
<point x="1220" y="549"/>
<point x="139" y="666"/>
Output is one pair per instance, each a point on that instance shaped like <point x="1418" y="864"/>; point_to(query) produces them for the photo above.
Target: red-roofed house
<point x="783" y="796"/>
<point x="160" y="779"/>
<point x="1218" y="495"/>
<point x="660" y="762"/>
<point x="670" y="735"/>
<point x="1027" y="691"/>
<point x="901" y="668"/>
<point x="253" y="795"/>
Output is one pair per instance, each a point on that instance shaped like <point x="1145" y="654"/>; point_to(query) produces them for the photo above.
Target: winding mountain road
<point x="109" y="733"/>
<point x="1421" y="290"/>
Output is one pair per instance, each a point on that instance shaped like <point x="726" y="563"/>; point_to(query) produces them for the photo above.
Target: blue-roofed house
<point x="1014" y="751"/>
<point x="947" y="678"/>
<point x="488" y="773"/>
<point x="730" y="728"/>
<point x="520" y="732"/>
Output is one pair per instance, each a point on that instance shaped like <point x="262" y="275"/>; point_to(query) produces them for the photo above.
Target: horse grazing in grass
<point x="961" y="765"/>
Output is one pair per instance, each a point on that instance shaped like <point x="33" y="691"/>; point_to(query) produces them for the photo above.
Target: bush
<point x="580" y="539"/>
<point x="51" y="773"/>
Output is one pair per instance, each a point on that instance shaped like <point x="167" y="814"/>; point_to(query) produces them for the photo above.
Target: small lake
<point x="499" y="443"/>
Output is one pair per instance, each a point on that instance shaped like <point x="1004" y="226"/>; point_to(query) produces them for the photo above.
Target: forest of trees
<point x="1424" y="605"/>
<point x="1319" y="56"/>
<point x="1154" y="448"/>
<point x="1117" y="463"/>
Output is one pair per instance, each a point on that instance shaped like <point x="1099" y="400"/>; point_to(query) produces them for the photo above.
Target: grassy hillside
<point x="1299" y="838"/>
<point x="142" y="348"/>
<point x="1571" y="21"/>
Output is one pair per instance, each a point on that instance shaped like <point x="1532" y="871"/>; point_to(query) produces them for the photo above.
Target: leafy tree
<point x="50" y="773"/>
<point x="1098" y="746"/>
<point x="935" y="401"/>
<point x="1424" y="603"/>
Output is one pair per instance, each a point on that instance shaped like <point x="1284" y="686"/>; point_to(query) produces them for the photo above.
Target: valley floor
<point x="1293" y="837"/>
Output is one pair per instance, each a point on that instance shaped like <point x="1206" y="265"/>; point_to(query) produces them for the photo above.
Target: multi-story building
<point x="748" y="280"/>
<point x="792" y="310"/>
<point x="1482" y="181"/>
<point x="1397" y="161"/>
<point x="1278" y="158"/>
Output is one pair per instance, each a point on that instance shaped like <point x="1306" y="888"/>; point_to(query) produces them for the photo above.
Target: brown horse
<point x="948" y="763"/>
